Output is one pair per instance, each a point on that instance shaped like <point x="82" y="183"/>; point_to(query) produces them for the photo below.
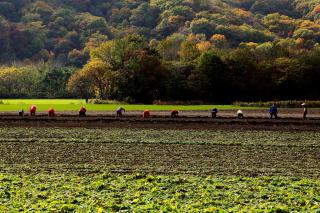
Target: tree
<point x="219" y="41"/>
<point x="202" y="26"/>
<point x="145" y="81"/>
<point x="287" y="75"/>
<point x="280" y="24"/>
<point x="144" y="16"/>
<point x="78" y="58"/>
<point x="169" y="48"/>
<point x="7" y="9"/>
<point x="214" y="76"/>
<point x="55" y="81"/>
<point x="79" y="86"/>
<point x="101" y="77"/>
<point x="188" y="51"/>
<point x="204" y="46"/>
<point x="284" y="7"/>
<point x="19" y="82"/>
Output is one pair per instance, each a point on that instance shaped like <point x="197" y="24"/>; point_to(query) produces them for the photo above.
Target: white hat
<point x="303" y="104"/>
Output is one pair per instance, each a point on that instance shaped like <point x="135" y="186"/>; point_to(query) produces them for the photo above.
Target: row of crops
<point x="148" y="170"/>
<point x="145" y="193"/>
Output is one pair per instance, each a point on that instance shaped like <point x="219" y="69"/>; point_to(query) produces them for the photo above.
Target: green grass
<point x="74" y="105"/>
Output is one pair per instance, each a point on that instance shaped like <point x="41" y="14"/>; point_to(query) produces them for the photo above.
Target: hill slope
<point x="62" y="29"/>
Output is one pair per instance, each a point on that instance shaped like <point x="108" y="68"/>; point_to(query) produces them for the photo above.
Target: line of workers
<point x="82" y="112"/>
<point x="273" y="111"/>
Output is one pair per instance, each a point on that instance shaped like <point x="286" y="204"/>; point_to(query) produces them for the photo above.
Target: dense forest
<point x="142" y="51"/>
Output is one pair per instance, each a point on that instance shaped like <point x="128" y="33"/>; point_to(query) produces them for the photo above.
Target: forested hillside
<point x="141" y="51"/>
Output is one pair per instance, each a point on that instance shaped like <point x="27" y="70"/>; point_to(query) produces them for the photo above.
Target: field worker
<point x="305" y="111"/>
<point x="33" y="110"/>
<point x="214" y="112"/>
<point x="240" y="114"/>
<point x="146" y="113"/>
<point x="51" y="112"/>
<point x="120" y="111"/>
<point x="82" y="112"/>
<point x="174" y="113"/>
<point x="273" y="111"/>
<point x="21" y="112"/>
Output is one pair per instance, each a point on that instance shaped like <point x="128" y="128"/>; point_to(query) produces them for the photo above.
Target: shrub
<point x="283" y="104"/>
<point x="99" y="101"/>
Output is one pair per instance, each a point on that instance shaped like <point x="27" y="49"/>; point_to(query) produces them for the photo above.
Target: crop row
<point x="160" y="136"/>
<point x="156" y="193"/>
<point x="161" y="152"/>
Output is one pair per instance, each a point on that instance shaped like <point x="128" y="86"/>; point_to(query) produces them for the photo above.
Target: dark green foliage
<point x="54" y="82"/>
<point x="284" y="7"/>
<point x="214" y="78"/>
<point x="245" y="49"/>
<point x="28" y="26"/>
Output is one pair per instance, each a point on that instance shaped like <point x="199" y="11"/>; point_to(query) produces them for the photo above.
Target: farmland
<point x="154" y="193"/>
<point x="129" y="169"/>
<point x="75" y="104"/>
<point x="160" y="151"/>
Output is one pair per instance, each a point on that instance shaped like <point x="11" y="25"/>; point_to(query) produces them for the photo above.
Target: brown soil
<point x="185" y="121"/>
<point x="258" y="113"/>
<point x="159" y="158"/>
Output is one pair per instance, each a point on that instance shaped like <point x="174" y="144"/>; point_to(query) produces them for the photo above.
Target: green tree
<point x="214" y="76"/>
<point x="55" y="81"/>
<point x="101" y="77"/>
<point x="202" y="26"/>
<point x="189" y="51"/>
<point x="145" y="81"/>
<point x="80" y="86"/>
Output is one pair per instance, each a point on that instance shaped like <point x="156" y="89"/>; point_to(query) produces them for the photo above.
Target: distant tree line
<point x="34" y="81"/>
<point x="133" y="70"/>
<point x="63" y="31"/>
<point x="141" y="51"/>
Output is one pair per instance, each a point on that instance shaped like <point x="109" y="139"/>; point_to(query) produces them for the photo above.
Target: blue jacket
<point x="214" y="110"/>
<point x="273" y="110"/>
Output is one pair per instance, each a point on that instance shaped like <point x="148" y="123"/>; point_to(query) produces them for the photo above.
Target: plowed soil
<point x="160" y="158"/>
<point x="159" y="121"/>
<point x="81" y="150"/>
<point x="132" y="143"/>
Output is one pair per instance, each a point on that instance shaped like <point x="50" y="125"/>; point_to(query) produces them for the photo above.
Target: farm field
<point x="74" y="105"/>
<point x="156" y="193"/>
<point x="70" y="107"/>
<point x="160" y="151"/>
<point x="142" y="170"/>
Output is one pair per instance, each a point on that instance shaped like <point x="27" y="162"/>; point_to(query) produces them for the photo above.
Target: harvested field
<point x="202" y="152"/>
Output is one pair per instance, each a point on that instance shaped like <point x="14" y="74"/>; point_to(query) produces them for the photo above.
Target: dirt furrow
<point x="162" y="158"/>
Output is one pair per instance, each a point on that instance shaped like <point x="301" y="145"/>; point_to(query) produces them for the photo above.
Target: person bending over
<point x="82" y="112"/>
<point x="120" y="111"/>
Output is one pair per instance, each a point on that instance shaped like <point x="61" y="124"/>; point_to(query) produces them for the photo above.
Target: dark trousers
<point x="273" y="115"/>
<point x="305" y="115"/>
<point x="174" y="115"/>
<point x="240" y="116"/>
<point x="82" y="114"/>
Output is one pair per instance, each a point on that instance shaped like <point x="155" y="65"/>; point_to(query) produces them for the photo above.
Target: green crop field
<point x="148" y="170"/>
<point x="74" y="105"/>
<point x="156" y="193"/>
